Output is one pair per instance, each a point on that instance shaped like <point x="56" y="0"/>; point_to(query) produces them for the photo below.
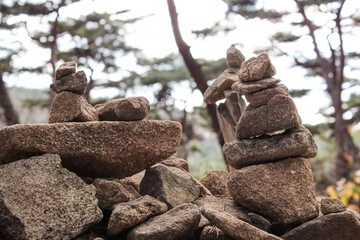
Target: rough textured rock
<point x="111" y="192"/>
<point x="169" y="185"/>
<point x="226" y="123"/>
<point x="176" y="162"/>
<point x="227" y="205"/>
<point x="282" y="191"/>
<point x="331" y="205"/>
<point x="95" y="149"/>
<point x="261" y="97"/>
<point x="235" y="104"/>
<point x="280" y="113"/>
<point x="123" y="109"/>
<point x="65" y="69"/>
<point x="234" y="227"/>
<point x="259" y="221"/>
<point x="335" y="226"/>
<point x="216" y="90"/>
<point x="134" y="180"/>
<point x="41" y="200"/>
<point x="71" y="107"/>
<point x="234" y="58"/>
<point x="213" y="233"/>
<point x="129" y="214"/>
<point x="215" y="181"/>
<point x="178" y="223"/>
<point x="75" y="82"/>
<point x="296" y="142"/>
<point x="249" y="87"/>
<point x="256" y="68"/>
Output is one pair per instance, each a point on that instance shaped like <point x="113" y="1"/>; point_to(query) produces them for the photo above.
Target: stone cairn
<point x="103" y="172"/>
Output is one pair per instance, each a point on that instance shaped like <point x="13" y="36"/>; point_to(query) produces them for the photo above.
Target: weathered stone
<point x="75" y="82"/>
<point x="296" y="142"/>
<point x="282" y="191"/>
<point x="226" y="123"/>
<point x="249" y="87"/>
<point x="215" y="181"/>
<point x="259" y="221"/>
<point x="129" y="214"/>
<point x="256" y="68"/>
<point x="169" y="185"/>
<point x="335" y="226"/>
<point x="213" y="233"/>
<point x="176" y="162"/>
<point x="71" y="107"/>
<point x="280" y="113"/>
<point x="216" y="90"/>
<point x="235" y="104"/>
<point x="41" y="200"/>
<point x="331" y="205"/>
<point x="234" y="58"/>
<point x="227" y="205"/>
<point x="65" y="69"/>
<point x="235" y="227"/>
<point x="95" y="149"/>
<point x="261" y="97"/>
<point x="178" y="223"/>
<point x="134" y="180"/>
<point x="111" y="192"/>
<point x="123" y="109"/>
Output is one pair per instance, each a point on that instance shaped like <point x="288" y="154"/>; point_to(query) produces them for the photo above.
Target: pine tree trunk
<point x="11" y="116"/>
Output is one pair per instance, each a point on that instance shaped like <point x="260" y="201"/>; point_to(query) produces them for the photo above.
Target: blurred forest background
<point x="314" y="44"/>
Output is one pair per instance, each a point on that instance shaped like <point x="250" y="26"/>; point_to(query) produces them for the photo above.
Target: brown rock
<point x="256" y="68"/>
<point x="169" y="185"/>
<point x="95" y="149"/>
<point x="261" y="97"/>
<point x="296" y="142"/>
<point x="234" y="58"/>
<point x="335" y="226"/>
<point x="280" y="113"/>
<point x="282" y="191"/>
<point x="331" y="205"/>
<point x="215" y="181"/>
<point x="65" y="69"/>
<point x="178" y="223"/>
<point x="216" y="90"/>
<point x="111" y="192"/>
<point x="129" y="214"/>
<point x="235" y="228"/>
<point x="134" y="180"/>
<point x="71" y="107"/>
<point x="235" y="104"/>
<point x="227" y="205"/>
<point x="213" y="233"/>
<point x="176" y="162"/>
<point x="41" y="200"/>
<point x="75" y="82"/>
<point x="226" y="123"/>
<point x="249" y="87"/>
<point x="123" y="109"/>
<point x="259" y="221"/>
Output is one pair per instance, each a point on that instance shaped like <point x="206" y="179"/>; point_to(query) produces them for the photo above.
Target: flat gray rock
<point x="335" y="226"/>
<point x="65" y="69"/>
<point x="280" y="113"/>
<point x="94" y="149"/>
<point x="296" y="142"/>
<point x="249" y="87"/>
<point x="75" y="82"/>
<point x="256" y="68"/>
<point x="178" y="223"/>
<point x="234" y="227"/>
<point x="41" y="200"/>
<point x="261" y="97"/>
<point x="71" y="107"/>
<point x="123" y="109"/>
<point x="283" y="190"/>
<point x="129" y="214"/>
<point x="169" y="185"/>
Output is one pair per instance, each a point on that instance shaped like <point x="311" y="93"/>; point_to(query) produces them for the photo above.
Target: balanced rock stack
<point x="270" y="171"/>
